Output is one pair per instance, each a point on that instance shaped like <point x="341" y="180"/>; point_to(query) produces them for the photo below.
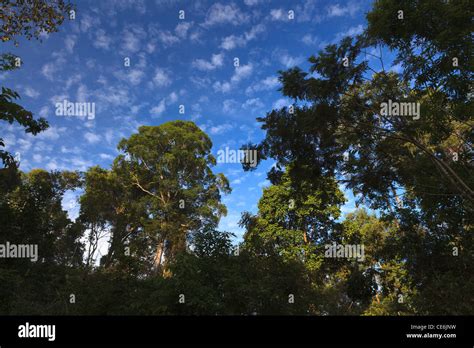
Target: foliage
<point x="160" y="202"/>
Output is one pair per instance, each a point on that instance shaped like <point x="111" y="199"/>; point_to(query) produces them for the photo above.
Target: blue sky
<point x="173" y="62"/>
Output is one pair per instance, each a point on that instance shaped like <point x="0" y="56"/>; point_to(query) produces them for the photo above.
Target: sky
<point x="173" y="62"/>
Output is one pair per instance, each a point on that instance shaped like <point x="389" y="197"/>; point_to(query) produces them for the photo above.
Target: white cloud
<point x="220" y="129"/>
<point x="132" y="37"/>
<point x="225" y="14"/>
<point x="25" y="144"/>
<point x="308" y="11"/>
<point x="141" y="61"/>
<point x="253" y="103"/>
<point x="75" y="150"/>
<point x="58" y="98"/>
<point x="161" y="78"/>
<point x="232" y="41"/>
<point x="112" y="96"/>
<point x="202" y="82"/>
<point x="150" y="47"/>
<point x="336" y="11"/>
<point x="217" y="60"/>
<point x="73" y="79"/>
<point x="270" y="82"/>
<point x="37" y="158"/>
<point x="158" y="109"/>
<point x="48" y="70"/>
<point x="253" y="2"/>
<point x="182" y="29"/>
<point x="80" y="163"/>
<point x="9" y="138"/>
<point x="92" y="138"/>
<point x="91" y="63"/>
<point x="172" y="98"/>
<point x="82" y="95"/>
<point x="106" y="156"/>
<point x="309" y="40"/>
<point x="196" y="36"/>
<point x="130" y="42"/>
<point x="87" y="22"/>
<point x="132" y="76"/>
<point x="230" y="223"/>
<point x="44" y="111"/>
<point x="290" y="61"/>
<point x="339" y="11"/>
<point x="125" y="5"/>
<point x="52" y="165"/>
<point x="31" y="92"/>
<point x="167" y="38"/>
<point x="102" y="40"/>
<point x="70" y="42"/>
<point x="267" y="84"/>
<point x="280" y="103"/>
<point x="240" y="73"/>
<point x="135" y="108"/>
<point x="52" y="133"/>
<point x="43" y="147"/>
<point x="109" y="135"/>
<point x="355" y="30"/>
<point x="278" y="15"/>
<point x="352" y="31"/>
<point x="135" y="76"/>
<point x="223" y="87"/>
<point x="229" y="106"/>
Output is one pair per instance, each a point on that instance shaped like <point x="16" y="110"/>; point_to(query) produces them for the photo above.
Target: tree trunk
<point x="159" y="255"/>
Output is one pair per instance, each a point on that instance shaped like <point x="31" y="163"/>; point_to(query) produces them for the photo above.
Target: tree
<point x="344" y="114"/>
<point x="32" y="214"/>
<point x="219" y="279"/>
<point x="38" y="196"/>
<point x="416" y="171"/>
<point x="160" y="191"/>
<point x="293" y="218"/>
<point x="12" y="112"/>
<point x="31" y="18"/>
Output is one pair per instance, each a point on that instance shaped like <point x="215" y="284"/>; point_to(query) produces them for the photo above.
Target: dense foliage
<point x="160" y="202"/>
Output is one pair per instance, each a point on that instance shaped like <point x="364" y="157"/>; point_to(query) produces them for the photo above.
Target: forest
<point x="407" y="250"/>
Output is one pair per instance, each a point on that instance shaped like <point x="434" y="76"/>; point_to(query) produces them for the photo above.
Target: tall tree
<point x="161" y="190"/>
<point x="293" y="218"/>
<point x="416" y="169"/>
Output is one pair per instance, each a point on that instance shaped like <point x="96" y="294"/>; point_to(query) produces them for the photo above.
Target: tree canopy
<point x="407" y="251"/>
